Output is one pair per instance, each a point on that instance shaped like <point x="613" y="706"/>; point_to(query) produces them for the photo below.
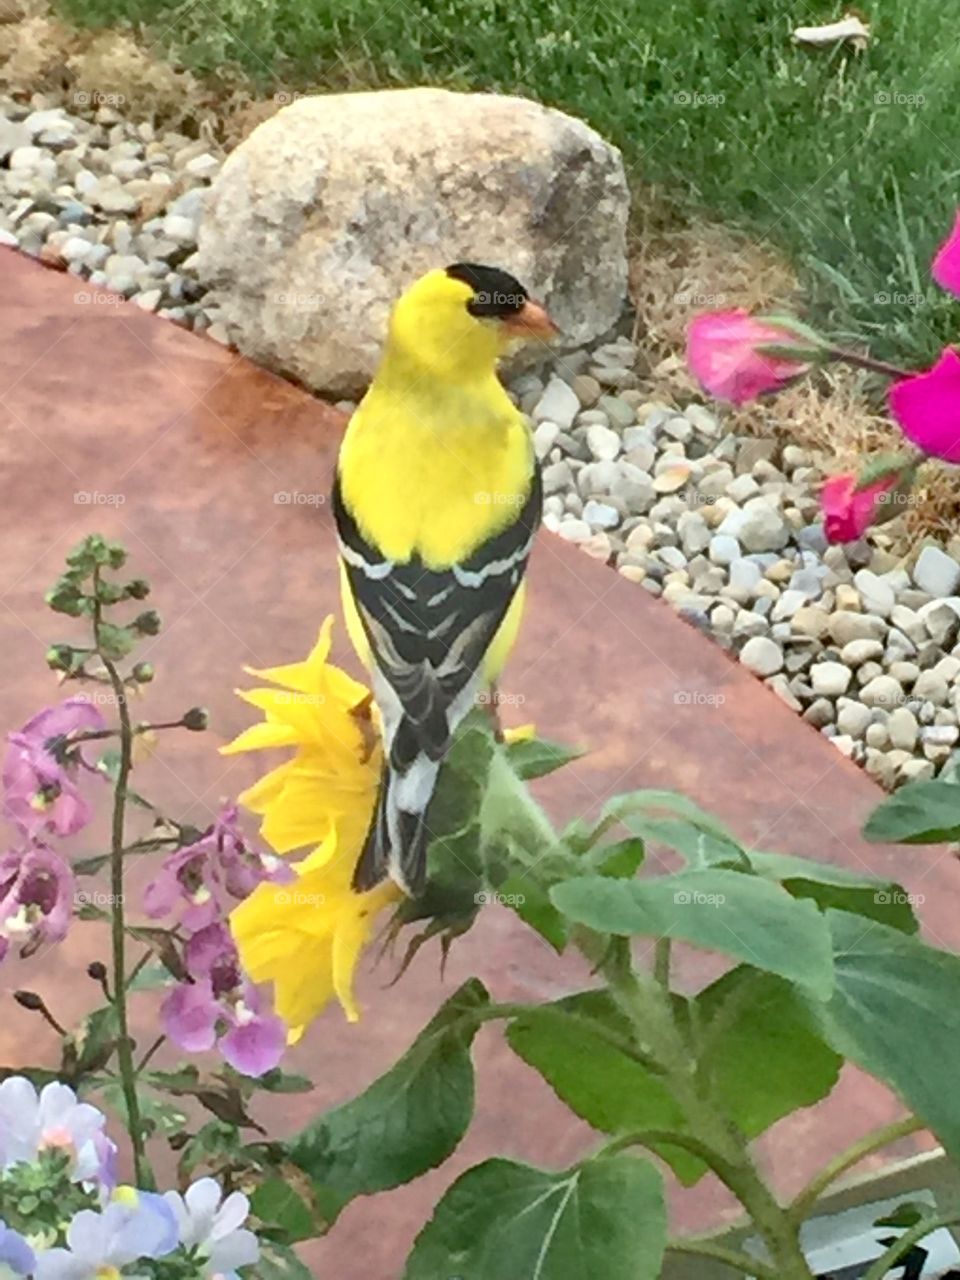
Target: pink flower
<point x="221" y="1007"/>
<point x="199" y="878"/>
<point x="36" y="898"/>
<point x="927" y="407"/>
<point x="945" y="267"/>
<point x="848" y="511"/>
<point x="723" y="356"/>
<point x="41" y="766"/>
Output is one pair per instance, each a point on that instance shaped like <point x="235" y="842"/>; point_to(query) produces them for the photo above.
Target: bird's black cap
<point x="495" y="292"/>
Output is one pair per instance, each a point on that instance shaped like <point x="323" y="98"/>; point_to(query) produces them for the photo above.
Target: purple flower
<point x="185" y="877"/>
<point x="31" y="1123"/>
<point x="189" y="1015"/>
<point x="213" y="1228"/>
<point x="198" y="876"/>
<point x="100" y="1244"/>
<point x="40" y="769"/>
<point x="222" y="1007"/>
<point x="16" y="1256"/>
<point x="255" y="1041"/>
<point x="36" y="896"/>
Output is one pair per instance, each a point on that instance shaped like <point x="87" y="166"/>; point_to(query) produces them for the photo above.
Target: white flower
<point x="215" y="1230"/>
<point x="100" y="1244"/>
<point x="30" y="1124"/>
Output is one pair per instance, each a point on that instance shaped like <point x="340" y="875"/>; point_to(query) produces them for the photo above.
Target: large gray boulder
<point x="323" y="215"/>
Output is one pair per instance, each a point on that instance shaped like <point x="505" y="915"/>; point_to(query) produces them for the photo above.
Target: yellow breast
<point x="435" y="477"/>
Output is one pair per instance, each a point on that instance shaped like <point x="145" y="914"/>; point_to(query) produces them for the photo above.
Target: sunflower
<point x="306" y="937"/>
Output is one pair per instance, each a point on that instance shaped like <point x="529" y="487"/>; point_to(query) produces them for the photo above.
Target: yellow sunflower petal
<point x="260" y="737"/>
<point x="303" y="677"/>
<point x="266" y="790"/>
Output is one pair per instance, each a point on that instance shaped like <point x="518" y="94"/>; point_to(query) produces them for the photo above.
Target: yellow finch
<point x="437" y="499"/>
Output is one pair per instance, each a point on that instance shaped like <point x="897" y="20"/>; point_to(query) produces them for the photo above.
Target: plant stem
<point x="96" y="735"/>
<point x="741" y="1262"/>
<point x="141" y="963"/>
<point x="838" y="1166"/>
<point x="868" y="362"/>
<point x="903" y="1244"/>
<point x="128" y="1080"/>
<point x="150" y="1052"/>
<point x="649" y="1010"/>
<point x="661" y="963"/>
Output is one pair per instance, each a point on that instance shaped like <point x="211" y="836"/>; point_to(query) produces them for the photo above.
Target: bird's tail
<point x="396" y="844"/>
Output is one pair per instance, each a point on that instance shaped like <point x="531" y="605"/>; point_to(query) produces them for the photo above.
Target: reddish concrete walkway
<point x="214" y="473"/>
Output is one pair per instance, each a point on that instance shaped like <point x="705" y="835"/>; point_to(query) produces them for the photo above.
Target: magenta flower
<point x="848" y="511"/>
<point x="221" y="1007"/>
<point x="723" y="356"/>
<point x="945" y="267"/>
<point x="927" y="407"/>
<point x="201" y="876"/>
<point x="36" y="898"/>
<point x="41" y="766"/>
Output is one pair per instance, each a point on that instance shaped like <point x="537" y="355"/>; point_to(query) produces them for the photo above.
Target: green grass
<point x="796" y="145"/>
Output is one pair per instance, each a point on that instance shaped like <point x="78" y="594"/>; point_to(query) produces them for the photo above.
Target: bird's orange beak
<point x="531" y="321"/>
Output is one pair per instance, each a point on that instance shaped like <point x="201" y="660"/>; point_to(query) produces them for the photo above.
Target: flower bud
<point x="29" y="1000"/>
<point x="138" y="588"/>
<point x="147" y="623"/>
<point x="116" y="555"/>
<point x="97" y="970"/>
<point x="143" y="672"/>
<point x="60" y="657"/>
<point x="197" y="719"/>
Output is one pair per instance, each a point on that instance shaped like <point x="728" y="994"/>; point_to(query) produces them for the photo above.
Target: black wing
<point x="429" y="630"/>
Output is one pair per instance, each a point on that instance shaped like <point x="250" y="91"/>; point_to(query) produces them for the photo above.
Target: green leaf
<point x="598" y="1080"/>
<point x="837" y="888"/>
<point x="152" y="977"/>
<point x="621" y="859"/>
<point x="278" y="1081"/>
<point x="38" y="1076"/>
<point x="90" y="866"/>
<point x="90" y="1044"/>
<point x="157" y="1114"/>
<point x="919" y="813"/>
<point x="895" y="1013"/>
<point x="531" y="901"/>
<point x="671" y="819"/>
<point x="536" y="757"/>
<point x="455" y="872"/>
<point x="115" y="642"/>
<point x="738" y="915"/>
<point x="762" y="1053"/>
<point x="408" y="1121"/>
<point x="277" y="1204"/>
<point x="506" y="1221"/>
<point x="184" y="1079"/>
